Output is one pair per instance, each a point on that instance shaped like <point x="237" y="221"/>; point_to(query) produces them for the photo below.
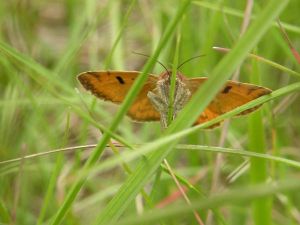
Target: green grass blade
<point x="246" y="153"/>
<point x="111" y="213"/>
<point x="240" y="14"/>
<point x="54" y="176"/>
<point x="226" y="67"/>
<point x="266" y="61"/>
<point x="219" y="76"/>
<point x="119" y="35"/>
<point x="128" y="156"/>
<point x="40" y="72"/>
<point x="45" y="44"/>
<point x="81" y="30"/>
<point x="245" y="194"/>
<point x="123" y="109"/>
<point x="4" y="214"/>
<point x="173" y="79"/>
<point x="261" y="208"/>
<point x="134" y="182"/>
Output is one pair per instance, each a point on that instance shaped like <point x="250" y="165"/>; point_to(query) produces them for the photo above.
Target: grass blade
<point x="188" y="115"/>
<point x="123" y="109"/>
<point x="244" y="194"/>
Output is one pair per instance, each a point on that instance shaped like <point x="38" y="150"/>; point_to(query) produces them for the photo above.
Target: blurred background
<point x="51" y="42"/>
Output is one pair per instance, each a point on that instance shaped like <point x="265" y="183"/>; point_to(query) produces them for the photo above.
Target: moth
<point x="151" y="104"/>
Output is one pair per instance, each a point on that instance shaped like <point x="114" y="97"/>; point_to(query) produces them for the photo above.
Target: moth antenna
<point x="195" y="57"/>
<point x="149" y="57"/>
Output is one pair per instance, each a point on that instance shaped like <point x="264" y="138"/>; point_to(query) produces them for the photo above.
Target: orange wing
<point x="233" y="95"/>
<point x="114" y="85"/>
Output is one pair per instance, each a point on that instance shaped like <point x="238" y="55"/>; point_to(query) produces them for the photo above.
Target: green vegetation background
<point x="245" y="172"/>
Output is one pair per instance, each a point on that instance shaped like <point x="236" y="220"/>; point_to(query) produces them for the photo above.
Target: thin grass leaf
<point x="49" y="42"/>
<point x="128" y="156"/>
<point x="113" y="214"/>
<point x="168" y="140"/>
<point x="267" y="61"/>
<point x="5" y="217"/>
<point x="123" y="109"/>
<point x="173" y="79"/>
<point x="39" y="70"/>
<point x="189" y="114"/>
<point x="245" y="194"/>
<point x="119" y="35"/>
<point x="82" y="29"/>
<point x="245" y="153"/>
<point x="240" y="14"/>
<point x="54" y="176"/>
<point x="261" y="208"/>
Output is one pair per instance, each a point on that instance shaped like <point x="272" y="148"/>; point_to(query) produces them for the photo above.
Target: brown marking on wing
<point x="226" y="89"/>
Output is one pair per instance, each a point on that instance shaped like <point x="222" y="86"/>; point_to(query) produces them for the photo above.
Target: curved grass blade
<point x="221" y="73"/>
<point x="238" y="13"/>
<point x="245" y="194"/>
<point x="120" y="114"/>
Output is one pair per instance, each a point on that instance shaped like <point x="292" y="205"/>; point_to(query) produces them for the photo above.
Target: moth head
<point x="165" y="77"/>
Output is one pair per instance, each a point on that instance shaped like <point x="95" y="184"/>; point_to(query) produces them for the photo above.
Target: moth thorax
<point x="161" y="99"/>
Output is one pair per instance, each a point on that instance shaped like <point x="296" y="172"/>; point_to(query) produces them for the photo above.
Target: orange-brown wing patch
<point x="233" y="95"/>
<point x="142" y="109"/>
<point x="205" y="116"/>
<point x="114" y="85"/>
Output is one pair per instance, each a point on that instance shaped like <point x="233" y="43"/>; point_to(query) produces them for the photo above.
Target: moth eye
<point x="120" y="79"/>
